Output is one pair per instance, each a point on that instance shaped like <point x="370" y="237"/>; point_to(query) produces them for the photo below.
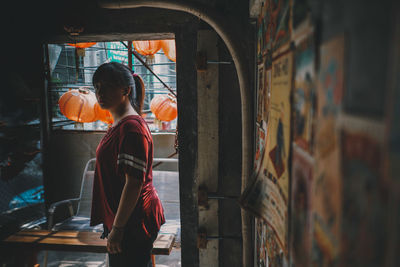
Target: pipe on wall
<point x="235" y="43"/>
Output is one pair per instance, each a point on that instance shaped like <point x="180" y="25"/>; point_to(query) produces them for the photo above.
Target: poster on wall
<point x="364" y="201"/>
<point x="276" y="256"/>
<point x="267" y="251"/>
<point x="264" y="199"/>
<point x="267" y="196"/>
<point x="278" y="142"/>
<point x="263" y="40"/>
<point x="267" y="92"/>
<point x="279" y="27"/>
<point x="304" y="98"/>
<point x="276" y="162"/>
<point x="261" y="93"/>
<point x="327" y="176"/>
<point x="273" y="28"/>
<point x="261" y="130"/>
<point x="261" y="124"/>
<point x="301" y="203"/>
<point x="263" y="100"/>
<point x="261" y="258"/>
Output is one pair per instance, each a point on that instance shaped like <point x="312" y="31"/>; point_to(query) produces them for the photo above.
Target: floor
<point x="167" y="186"/>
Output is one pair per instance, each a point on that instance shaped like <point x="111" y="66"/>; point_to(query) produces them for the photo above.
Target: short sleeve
<point x="132" y="156"/>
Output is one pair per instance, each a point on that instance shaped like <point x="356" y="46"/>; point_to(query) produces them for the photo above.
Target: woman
<point x="124" y="198"/>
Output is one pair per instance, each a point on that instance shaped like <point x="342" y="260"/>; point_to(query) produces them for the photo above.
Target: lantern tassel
<point x="150" y="59"/>
<point x="80" y="51"/>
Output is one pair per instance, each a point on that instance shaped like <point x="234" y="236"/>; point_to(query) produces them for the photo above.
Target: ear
<point x="127" y="91"/>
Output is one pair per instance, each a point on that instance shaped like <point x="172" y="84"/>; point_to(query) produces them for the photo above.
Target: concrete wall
<point x="163" y="148"/>
<point x="69" y="152"/>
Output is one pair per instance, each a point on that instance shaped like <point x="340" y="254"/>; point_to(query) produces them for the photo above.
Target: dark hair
<point x="121" y="76"/>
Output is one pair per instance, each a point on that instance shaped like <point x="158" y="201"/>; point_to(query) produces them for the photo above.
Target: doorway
<point x="73" y="142"/>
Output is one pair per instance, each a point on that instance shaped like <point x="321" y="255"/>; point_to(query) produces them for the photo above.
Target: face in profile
<point x="109" y="96"/>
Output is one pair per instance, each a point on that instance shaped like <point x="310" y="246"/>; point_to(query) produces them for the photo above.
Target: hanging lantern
<point x="103" y="114"/>
<point x="147" y="49"/>
<point x="164" y="107"/>
<point x="168" y="46"/>
<point x="80" y="47"/>
<point x="78" y="105"/>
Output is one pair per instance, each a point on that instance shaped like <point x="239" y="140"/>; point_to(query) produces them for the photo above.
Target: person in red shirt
<point x="124" y="198"/>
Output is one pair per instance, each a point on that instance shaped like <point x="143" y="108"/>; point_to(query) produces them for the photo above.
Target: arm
<point x="129" y="197"/>
<point x="132" y="164"/>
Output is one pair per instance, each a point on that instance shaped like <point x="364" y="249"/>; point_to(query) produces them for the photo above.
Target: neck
<point x="122" y="111"/>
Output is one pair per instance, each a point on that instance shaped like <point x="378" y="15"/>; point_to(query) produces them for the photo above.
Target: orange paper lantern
<point x="81" y="45"/>
<point x="103" y="114"/>
<point x="147" y="48"/>
<point x="164" y="107"/>
<point x="78" y="105"/>
<point x="168" y="46"/>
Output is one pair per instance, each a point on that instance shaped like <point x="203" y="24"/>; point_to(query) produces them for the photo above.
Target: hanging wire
<point x="99" y="50"/>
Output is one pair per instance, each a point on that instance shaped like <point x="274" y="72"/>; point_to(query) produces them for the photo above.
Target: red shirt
<point x="126" y="148"/>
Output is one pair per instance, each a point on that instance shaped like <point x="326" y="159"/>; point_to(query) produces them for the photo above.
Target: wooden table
<point x="30" y="242"/>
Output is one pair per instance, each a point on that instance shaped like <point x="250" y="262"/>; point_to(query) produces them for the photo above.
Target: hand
<point x="114" y="241"/>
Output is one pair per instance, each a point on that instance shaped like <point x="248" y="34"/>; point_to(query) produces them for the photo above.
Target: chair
<point x="81" y="220"/>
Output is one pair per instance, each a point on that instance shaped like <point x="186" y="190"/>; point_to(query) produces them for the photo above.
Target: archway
<point x="234" y="42"/>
